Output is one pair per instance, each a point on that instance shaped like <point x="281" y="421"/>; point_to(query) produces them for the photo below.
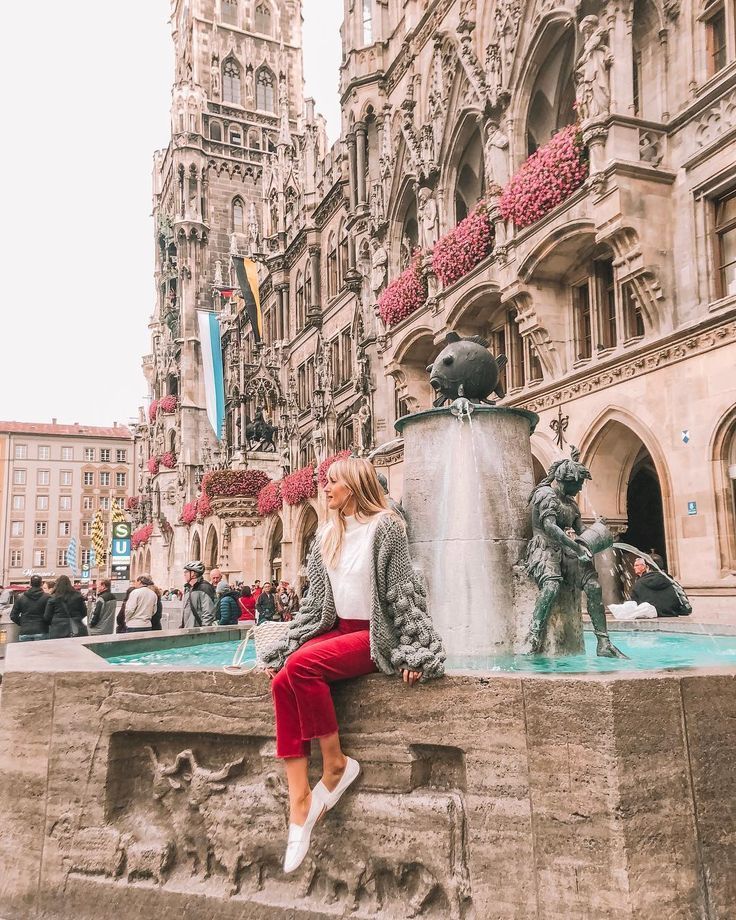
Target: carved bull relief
<point x="208" y="813"/>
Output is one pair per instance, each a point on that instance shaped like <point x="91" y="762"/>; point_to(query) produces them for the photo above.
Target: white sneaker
<point x="330" y="799"/>
<point x="297" y="846"/>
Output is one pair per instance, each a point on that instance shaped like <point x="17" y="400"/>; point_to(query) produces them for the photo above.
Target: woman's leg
<point x="333" y="760"/>
<point x="300" y="795"/>
<point x="310" y="672"/>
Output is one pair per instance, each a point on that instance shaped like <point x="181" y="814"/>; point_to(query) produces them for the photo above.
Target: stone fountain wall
<point x="156" y="794"/>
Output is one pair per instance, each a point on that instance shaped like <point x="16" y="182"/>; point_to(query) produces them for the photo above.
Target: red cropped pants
<point x="301" y="694"/>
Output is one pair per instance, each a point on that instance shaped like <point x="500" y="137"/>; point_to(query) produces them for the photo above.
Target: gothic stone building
<point x="616" y="308"/>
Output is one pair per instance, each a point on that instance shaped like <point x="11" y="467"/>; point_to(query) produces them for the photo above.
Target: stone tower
<point x="238" y="92"/>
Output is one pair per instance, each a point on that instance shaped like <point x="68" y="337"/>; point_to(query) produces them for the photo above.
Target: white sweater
<point x="350" y="579"/>
<point x="140" y="607"/>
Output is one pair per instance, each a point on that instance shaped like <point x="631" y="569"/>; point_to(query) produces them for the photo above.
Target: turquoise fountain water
<point x="648" y="650"/>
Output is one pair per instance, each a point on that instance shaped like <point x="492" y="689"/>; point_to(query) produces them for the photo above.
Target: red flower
<point x="141" y="536"/>
<point x="299" y="486"/>
<point x="325" y="465"/>
<point x="152" y="410"/>
<point x="153" y="464"/>
<point x="204" y="508"/>
<point x="460" y="250"/>
<point x="168" y="460"/>
<point x="132" y="502"/>
<point x="234" y="482"/>
<point x="168" y="404"/>
<point x="189" y="513"/>
<point x="405" y="294"/>
<point x="546" y="179"/>
<point x="269" y="498"/>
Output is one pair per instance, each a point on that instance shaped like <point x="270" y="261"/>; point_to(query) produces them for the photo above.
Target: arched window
<point x="344" y="255"/>
<point x="307" y="292"/>
<point x="254" y="139"/>
<point x="238" y="216"/>
<point x="716" y="32"/>
<point x="263" y="19"/>
<point x="367" y="7"/>
<point x="332" y="280"/>
<point x="231" y="82"/>
<point x="215" y="131"/>
<point x="265" y="99"/>
<point x="469" y="181"/>
<point x="300" y="310"/>
<point x="235" y="136"/>
<point x="647" y="52"/>
<point x="230" y="12"/>
<point x="553" y="96"/>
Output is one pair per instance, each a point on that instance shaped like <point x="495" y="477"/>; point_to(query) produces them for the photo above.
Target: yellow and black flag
<point x="247" y="273"/>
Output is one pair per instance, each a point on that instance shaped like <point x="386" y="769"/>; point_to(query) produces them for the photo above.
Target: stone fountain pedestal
<point x="466" y="490"/>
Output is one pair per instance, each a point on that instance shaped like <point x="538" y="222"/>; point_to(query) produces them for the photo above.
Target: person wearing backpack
<point x="65" y="611"/>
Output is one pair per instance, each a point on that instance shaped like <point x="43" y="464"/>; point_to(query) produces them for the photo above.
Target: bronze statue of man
<point x="554" y="556"/>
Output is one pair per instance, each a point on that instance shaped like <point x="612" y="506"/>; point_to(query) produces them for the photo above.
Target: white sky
<point x="83" y="115"/>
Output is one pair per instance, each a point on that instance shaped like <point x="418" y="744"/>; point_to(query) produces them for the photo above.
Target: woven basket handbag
<point x="263" y="635"/>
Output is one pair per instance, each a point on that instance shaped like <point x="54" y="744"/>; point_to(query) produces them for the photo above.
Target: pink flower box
<point x="168" y="460"/>
<point x="189" y="513"/>
<point x="152" y="410"/>
<point x="141" y="536"/>
<point x="299" y="486"/>
<point x="132" y="503"/>
<point x="546" y="179"/>
<point x="460" y="250"/>
<point x="153" y="465"/>
<point x="405" y="294"/>
<point x="269" y="499"/>
<point x="204" y="508"/>
<point x="234" y="482"/>
<point x="168" y="404"/>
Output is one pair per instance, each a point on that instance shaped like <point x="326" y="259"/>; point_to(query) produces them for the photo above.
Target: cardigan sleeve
<point x="306" y="624"/>
<point x="419" y="645"/>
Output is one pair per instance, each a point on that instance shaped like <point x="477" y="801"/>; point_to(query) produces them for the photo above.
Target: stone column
<point x="313" y="309"/>
<point x="466" y="491"/>
<point x="361" y="133"/>
<point x="619" y="38"/>
<point x="352" y="170"/>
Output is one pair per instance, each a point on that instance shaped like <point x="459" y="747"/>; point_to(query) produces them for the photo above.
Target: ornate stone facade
<point x="615" y="308"/>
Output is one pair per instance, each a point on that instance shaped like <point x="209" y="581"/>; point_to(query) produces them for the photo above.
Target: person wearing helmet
<point x="198" y="608"/>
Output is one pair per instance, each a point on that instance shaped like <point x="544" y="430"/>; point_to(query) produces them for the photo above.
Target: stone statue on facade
<point x="561" y="551"/>
<point x="215" y="77"/>
<point x="379" y="265"/>
<point x="592" y="72"/>
<point x="406" y="253"/>
<point x="495" y="159"/>
<point x="428" y="218"/>
<point x="218" y="282"/>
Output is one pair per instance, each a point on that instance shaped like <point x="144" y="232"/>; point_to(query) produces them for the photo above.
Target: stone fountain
<point x="482" y="533"/>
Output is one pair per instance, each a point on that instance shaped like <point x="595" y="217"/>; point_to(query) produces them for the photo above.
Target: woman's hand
<point x="271" y="673"/>
<point x="410" y="677"/>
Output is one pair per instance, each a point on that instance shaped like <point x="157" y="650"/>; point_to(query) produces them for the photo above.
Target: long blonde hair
<point x="359" y="475"/>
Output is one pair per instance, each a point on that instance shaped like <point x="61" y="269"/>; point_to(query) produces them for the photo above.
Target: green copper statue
<point x="562" y="550"/>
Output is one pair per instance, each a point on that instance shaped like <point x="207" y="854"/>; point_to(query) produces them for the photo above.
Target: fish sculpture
<point x="465" y="368"/>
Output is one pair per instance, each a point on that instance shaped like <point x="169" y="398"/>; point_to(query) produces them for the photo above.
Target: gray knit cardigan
<point x="401" y="632"/>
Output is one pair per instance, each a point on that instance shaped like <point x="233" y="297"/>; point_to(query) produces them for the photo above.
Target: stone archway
<point x="274" y="551"/>
<point x="195" y="554"/>
<point x="630" y="488"/>
<point x="211" y="549"/>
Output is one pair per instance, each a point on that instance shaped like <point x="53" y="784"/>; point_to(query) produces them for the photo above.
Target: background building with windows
<point x="614" y="299"/>
<point x="53" y="479"/>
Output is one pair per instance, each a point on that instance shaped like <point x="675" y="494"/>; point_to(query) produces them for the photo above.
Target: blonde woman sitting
<point x="365" y="612"/>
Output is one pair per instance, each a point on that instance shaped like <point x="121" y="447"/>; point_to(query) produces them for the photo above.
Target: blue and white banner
<point x="214" y="386"/>
<point x="71" y="555"/>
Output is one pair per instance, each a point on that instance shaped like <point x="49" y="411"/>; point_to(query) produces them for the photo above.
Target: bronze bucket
<point x="596" y="538"/>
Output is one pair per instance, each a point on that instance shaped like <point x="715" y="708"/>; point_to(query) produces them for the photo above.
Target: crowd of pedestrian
<point x="59" y="610"/>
